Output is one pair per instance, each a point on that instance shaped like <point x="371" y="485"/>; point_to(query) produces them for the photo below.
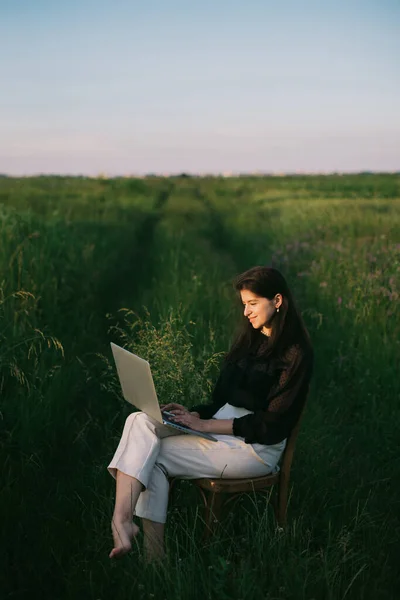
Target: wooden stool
<point x="217" y="493"/>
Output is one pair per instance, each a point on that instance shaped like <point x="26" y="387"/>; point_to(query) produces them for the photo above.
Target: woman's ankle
<point x="122" y="517"/>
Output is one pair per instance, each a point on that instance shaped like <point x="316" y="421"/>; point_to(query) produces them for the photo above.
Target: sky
<point x="122" y="87"/>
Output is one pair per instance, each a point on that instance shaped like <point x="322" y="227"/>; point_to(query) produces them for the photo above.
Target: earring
<point x="277" y="310"/>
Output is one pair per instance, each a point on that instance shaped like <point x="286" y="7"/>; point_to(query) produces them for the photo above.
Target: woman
<point x="255" y="403"/>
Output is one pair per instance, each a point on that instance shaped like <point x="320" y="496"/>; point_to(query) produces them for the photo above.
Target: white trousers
<point x="151" y="452"/>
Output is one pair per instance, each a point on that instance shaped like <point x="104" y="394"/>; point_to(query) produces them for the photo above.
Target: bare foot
<point x="123" y="533"/>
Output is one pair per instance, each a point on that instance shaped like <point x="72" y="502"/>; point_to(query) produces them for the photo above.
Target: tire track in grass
<point x="216" y="231"/>
<point x="243" y="248"/>
<point x="125" y="287"/>
<point x="134" y="270"/>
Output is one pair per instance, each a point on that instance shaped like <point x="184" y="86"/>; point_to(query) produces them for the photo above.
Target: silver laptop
<point x="138" y="388"/>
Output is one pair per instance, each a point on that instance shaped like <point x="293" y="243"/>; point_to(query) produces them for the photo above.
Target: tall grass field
<point x="149" y="264"/>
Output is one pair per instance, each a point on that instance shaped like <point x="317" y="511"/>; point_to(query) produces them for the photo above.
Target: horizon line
<point x="224" y="174"/>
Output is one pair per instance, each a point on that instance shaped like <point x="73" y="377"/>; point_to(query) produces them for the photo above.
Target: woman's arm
<point x="265" y="424"/>
<point x="207" y="425"/>
<point x="218" y="426"/>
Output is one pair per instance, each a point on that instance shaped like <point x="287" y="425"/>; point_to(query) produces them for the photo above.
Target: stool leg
<point x="281" y="509"/>
<point x="212" y="513"/>
<point x="171" y="482"/>
<point x="273" y="502"/>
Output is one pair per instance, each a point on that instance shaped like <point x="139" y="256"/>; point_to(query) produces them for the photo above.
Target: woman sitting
<point x="256" y="402"/>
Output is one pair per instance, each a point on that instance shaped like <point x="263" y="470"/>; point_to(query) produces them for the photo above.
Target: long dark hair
<point x="287" y="326"/>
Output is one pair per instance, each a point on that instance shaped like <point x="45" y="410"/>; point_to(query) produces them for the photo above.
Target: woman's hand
<point x="191" y="420"/>
<point x="174" y="408"/>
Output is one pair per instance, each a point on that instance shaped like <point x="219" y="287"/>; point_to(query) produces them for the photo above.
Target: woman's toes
<point x="115" y="552"/>
<point x="123" y="534"/>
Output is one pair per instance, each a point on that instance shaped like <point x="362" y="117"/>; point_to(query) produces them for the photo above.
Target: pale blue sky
<point x="199" y="86"/>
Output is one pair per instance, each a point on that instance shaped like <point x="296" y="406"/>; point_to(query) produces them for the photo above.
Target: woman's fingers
<point x="177" y="412"/>
<point x="168" y="406"/>
<point x="172" y="407"/>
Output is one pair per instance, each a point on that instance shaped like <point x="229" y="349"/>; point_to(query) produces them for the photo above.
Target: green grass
<point x="149" y="263"/>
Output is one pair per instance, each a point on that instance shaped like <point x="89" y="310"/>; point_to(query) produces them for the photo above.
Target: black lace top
<point x="274" y="389"/>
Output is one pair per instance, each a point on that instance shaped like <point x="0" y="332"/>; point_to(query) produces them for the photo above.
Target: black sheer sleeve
<point x="283" y="402"/>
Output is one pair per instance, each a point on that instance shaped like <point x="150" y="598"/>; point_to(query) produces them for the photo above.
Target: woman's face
<point x="259" y="310"/>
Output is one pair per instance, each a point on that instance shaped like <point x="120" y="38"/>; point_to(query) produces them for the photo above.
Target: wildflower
<point x="339" y="300"/>
<point x="323" y="284"/>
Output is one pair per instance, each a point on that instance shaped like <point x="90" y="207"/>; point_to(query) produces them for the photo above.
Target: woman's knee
<point x="136" y="415"/>
<point x="142" y="421"/>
